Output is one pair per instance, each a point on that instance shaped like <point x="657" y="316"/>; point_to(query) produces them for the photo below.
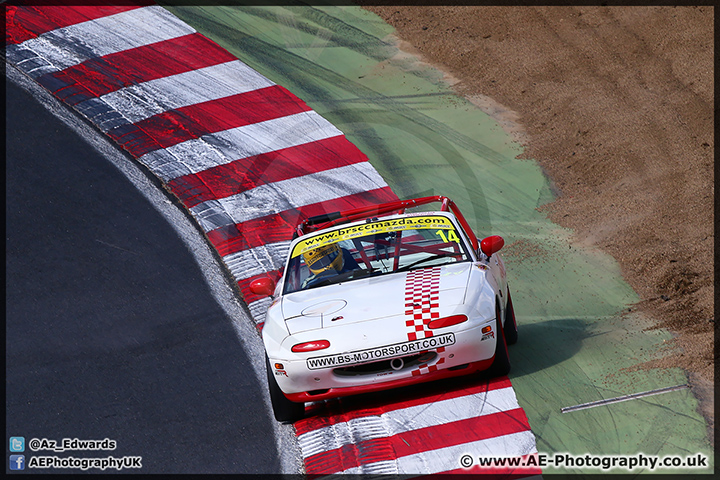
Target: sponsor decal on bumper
<point x="380" y="353"/>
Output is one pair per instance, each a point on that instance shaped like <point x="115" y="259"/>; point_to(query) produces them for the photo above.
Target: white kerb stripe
<point x="138" y="102"/>
<point x="254" y="261"/>
<point x="287" y="194"/>
<point x="72" y="45"/>
<point x="220" y="148"/>
<point x="411" y="418"/>
<point x="448" y="458"/>
<point x="258" y="309"/>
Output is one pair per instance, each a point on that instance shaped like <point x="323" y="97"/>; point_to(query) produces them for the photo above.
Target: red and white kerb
<point x="422" y="301"/>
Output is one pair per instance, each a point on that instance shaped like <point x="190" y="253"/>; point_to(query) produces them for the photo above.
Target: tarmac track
<point x="103" y="340"/>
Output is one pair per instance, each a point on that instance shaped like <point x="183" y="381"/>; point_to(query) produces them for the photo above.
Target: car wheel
<point x="501" y="364"/>
<point x="283" y="409"/>
<point x="510" y="329"/>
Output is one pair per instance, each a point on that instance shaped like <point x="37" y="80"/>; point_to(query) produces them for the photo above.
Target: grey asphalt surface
<point x="111" y="329"/>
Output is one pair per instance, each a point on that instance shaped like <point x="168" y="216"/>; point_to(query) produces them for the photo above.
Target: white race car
<point x="377" y="297"/>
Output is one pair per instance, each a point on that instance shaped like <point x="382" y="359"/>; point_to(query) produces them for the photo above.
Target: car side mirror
<point x="262" y="286"/>
<point x="490" y="245"/>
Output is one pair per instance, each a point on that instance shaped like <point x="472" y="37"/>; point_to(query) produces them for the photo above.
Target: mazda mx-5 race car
<point x="377" y="297"/>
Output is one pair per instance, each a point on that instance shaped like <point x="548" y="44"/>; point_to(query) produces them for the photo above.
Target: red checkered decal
<point x="422" y="297"/>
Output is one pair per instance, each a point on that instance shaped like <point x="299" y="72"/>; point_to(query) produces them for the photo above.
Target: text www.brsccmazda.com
<point x="116" y="463"/>
<point x="380" y="353"/>
<point x="596" y="462"/>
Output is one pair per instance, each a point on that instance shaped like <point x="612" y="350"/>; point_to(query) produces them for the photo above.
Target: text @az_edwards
<point x="70" y="444"/>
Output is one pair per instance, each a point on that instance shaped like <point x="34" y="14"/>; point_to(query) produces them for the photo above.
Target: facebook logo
<point x="17" y="444"/>
<point x="17" y="462"/>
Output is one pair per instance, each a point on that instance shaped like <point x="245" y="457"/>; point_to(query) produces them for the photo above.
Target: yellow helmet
<point x="324" y="258"/>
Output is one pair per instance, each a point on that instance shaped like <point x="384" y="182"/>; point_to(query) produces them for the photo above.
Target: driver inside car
<point x="326" y="262"/>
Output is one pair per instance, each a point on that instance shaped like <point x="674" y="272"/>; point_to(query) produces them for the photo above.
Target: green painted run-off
<point x="575" y="341"/>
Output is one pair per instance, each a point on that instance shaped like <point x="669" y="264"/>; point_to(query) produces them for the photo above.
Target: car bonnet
<point x="375" y="297"/>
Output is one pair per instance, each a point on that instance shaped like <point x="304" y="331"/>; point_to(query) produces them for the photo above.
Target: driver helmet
<point x="324" y="258"/>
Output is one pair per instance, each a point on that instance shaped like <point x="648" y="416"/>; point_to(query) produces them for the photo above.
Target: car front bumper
<point x="472" y="351"/>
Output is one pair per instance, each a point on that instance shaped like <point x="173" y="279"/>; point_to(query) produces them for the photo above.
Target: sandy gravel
<point x="616" y="104"/>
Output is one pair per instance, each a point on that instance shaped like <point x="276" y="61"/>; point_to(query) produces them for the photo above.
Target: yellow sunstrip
<point x="385" y="226"/>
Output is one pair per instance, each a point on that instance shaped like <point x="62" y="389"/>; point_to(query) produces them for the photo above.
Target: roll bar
<point x="318" y="222"/>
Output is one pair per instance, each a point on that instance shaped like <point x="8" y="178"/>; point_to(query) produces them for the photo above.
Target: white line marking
<point x="623" y="398"/>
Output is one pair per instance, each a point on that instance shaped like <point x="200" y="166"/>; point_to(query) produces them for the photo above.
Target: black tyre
<point x="510" y="329"/>
<point x="283" y="409"/>
<point x="501" y="364"/>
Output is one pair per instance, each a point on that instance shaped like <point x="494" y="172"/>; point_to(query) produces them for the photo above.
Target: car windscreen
<point x="380" y="247"/>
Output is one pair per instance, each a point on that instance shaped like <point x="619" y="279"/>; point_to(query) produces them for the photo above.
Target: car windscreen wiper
<point x="426" y="259"/>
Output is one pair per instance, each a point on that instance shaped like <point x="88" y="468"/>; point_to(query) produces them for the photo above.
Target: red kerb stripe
<point x="424" y="439"/>
<point x="396" y="402"/>
<point x="24" y="22"/>
<point x="99" y="76"/>
<point x="241" y="175"/>
<point x="253" y="233"/>
<point x="187" y="123"/>
<point x="463" y="431"/>
<point x="279" y="227"/>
